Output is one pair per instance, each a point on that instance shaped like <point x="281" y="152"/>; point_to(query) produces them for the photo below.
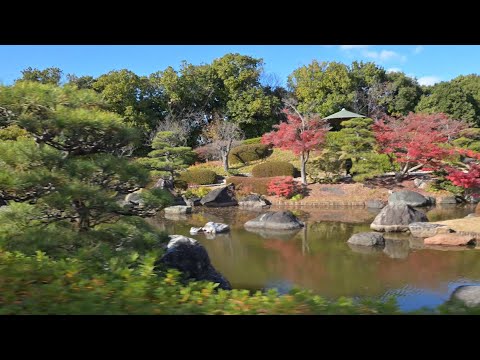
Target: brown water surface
<point x="318" y="257"/>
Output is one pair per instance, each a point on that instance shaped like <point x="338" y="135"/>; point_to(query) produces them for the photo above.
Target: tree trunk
<point x="83" y="215"/>
<point x="303" y="170"/>
<point x="225" y="160"/>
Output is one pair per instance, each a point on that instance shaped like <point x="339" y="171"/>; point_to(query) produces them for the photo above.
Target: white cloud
<point x="418" y="49"/>
<point x="353" y="47"/>
<point x="428" y="80"/>
<point x="384" y="55"/>
<point x="394" y="69"/>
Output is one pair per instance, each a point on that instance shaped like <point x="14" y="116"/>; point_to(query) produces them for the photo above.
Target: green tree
<point x="168" y="156"/>
<point x="51" y="75"/>
<point x="70" y="166"/>
<point x="81" y="82"/>
<point x="133" y="97"/>
<point x="322" y="88"/>
<point x="452" y="99"/>
<point x="230" y="86"/>
<point x="356" y="141"/>
<point x="402" y="94"/>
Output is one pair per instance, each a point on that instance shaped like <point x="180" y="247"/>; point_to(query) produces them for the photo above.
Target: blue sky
<point x="428" y="63"/>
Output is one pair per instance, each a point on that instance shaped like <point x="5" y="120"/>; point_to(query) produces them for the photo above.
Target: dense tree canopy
<point x="50" y="75"/>
<point x="69" y="163"/>
<point x="450" y="98"/>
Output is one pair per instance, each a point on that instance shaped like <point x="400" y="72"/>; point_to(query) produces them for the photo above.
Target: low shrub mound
<point x="199" y="177"/>
<point x="246" y="153"/>
<point x="273" y="168"/>
<point x="256" y="140"/>
<point x="247" y="185"/>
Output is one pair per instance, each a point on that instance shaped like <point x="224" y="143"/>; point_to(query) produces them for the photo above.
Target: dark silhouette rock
<point x="191" y="258"/>
<point x="279" y="220"/>
<point x="367" y="239"/>
<point x="408" y="197"/>
<point x="394" y="218"/>
<point x="222" y="196"/>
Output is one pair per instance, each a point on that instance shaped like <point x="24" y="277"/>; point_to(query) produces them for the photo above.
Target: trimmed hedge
<point x="246" y="153"/>
<point x="246" y="185"/>
<point x="199" y="177"/>
<point x="273" y="168"/>
<point x="251" y="141"/>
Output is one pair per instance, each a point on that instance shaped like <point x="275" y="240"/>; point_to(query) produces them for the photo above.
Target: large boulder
<point x="477" y="209"/>
<point x="396" y="248"/>
<point x="278" y="220"/>
<point x="178" y="209"/>
<point x="425" y="229"/>
<point x="375" y="204"/>
<point x="191" y="258"/>
<point x="408" y="197"/>
<point x="367" y="239"/>
<point x="135" y="198"/>
<point x="254" y="201"/>
<point x="220" y="197"/>
<point x="450" y="240"/>
<point x="396" y="218"/>
<point x="133" y="203"/>
<point x="468" y="294"/>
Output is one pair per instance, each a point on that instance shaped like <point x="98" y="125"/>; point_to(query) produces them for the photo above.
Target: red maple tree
<point x="466" y="179"/>
<point x="300" y="134"/>
<point x="417" y="140"/>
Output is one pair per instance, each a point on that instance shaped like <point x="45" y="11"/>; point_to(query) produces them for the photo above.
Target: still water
<point x="318" y="257"/>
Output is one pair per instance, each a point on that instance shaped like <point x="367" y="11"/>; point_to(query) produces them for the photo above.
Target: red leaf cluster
<point x="284" y="186"/>
<point x="465" y="179"/>
<point x="297" y="135"/>
<point x="416" y="138"/>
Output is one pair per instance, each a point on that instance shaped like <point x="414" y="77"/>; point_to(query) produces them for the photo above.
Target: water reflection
<point x="317" y="257"/>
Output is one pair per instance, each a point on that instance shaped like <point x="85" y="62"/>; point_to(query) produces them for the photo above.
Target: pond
<point x="318" y="257"/>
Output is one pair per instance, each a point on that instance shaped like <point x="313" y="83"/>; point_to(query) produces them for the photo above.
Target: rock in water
<point x="191" y="258"/>
<point x="468" y="294"/>
<point x="408" y="197"/>
<point x="395" y="218"/>
<point x="425" y="229"/>
<point x="367" y="239"/>
<point x="213" y="228"/>
<point x="450" y="240"/>
<point x="254" y="201"/>
<point x="279" y="220"/>
<point x="222" y="196"/>
<point x="178" y="209"/>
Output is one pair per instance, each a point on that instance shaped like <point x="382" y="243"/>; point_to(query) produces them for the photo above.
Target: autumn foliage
<point x="300" y="134"/>
<point x="417" y="140"/>
<point x="284" y="186"/>
<point x="466" y="179"/>
<point x="297" y="135"/>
